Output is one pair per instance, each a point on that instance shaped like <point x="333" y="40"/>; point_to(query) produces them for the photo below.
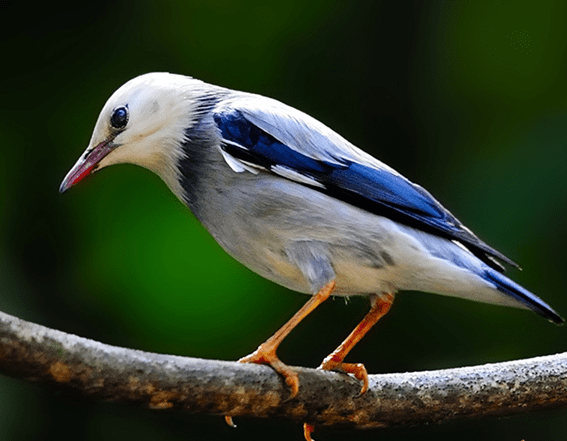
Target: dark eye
<point x="119" y="117"/>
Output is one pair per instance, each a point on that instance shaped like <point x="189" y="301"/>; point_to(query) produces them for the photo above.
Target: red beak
<point x="86" y="165"/>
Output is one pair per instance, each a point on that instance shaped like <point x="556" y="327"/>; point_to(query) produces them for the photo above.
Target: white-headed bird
<point x="297" y="203"/>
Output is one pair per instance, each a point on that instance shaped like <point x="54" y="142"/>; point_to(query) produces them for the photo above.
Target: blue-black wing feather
<point x="347" y="177"/>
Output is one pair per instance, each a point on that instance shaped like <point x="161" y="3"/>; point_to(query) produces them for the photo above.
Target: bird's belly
<point x="352" y="278"/>
<point x="373" y="263"/>
<point x="377" y="266"/>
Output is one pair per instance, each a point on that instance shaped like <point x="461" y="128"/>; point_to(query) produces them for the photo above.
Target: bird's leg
<point x="380" y="305"/>
<point x="266" y="352"/>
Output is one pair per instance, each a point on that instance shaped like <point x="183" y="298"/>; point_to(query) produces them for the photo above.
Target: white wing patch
<point x="295" y="176"/>
<point x="239" y="166"/>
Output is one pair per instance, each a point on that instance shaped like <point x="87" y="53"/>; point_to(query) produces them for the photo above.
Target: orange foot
<point x="266" y="352"/>
<point x="380" y="305"/>
<point x="357" y="369"/>
<point x="307" y="431"/>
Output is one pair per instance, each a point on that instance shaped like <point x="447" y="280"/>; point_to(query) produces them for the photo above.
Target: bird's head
<point x="144" y="123"/>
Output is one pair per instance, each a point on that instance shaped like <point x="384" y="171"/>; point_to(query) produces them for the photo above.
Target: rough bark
<point x="35" y="353"/>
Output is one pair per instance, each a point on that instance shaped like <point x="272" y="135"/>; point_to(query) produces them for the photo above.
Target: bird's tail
<point x="529" y="300"/>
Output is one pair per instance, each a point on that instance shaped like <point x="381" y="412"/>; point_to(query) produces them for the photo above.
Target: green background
<point x="466" y="98"/>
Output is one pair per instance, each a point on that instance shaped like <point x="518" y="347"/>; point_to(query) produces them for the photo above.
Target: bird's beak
<point x="87" y="164"/>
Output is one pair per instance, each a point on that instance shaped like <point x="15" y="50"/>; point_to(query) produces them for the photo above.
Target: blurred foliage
<point x="466" y="98"/>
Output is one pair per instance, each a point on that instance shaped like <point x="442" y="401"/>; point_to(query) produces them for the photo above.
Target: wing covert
<point x="314" y="155"/>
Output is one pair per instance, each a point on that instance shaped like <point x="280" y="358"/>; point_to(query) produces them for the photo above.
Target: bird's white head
<point x="144" y="123"/>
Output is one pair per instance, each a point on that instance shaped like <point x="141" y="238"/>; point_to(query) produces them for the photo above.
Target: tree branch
<point x="35" y="353"/>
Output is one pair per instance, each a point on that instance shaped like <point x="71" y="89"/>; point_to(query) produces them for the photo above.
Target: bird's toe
<point x="307" y="431"/>
<point x="357" y="369"/>
<point x="267" y="355"/>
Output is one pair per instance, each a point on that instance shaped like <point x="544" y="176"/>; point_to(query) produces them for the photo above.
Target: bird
<point x="296" y="203"/>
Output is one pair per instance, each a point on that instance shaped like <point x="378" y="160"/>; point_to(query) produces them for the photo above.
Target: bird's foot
<point x="266" y="354"/>
<point x="307" y="431"/>
<point x="356" y="369"/>
<point x="331" y="364"/>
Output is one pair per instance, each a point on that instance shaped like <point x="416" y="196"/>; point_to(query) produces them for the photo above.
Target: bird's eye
<point x="119" y="117"/>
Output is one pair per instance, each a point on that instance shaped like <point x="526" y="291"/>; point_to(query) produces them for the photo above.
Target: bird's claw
<point x="357" y="369"/>
<point x="307" y="431"/>
<point x="228" y="419"/>
<point x="267" y="355"/>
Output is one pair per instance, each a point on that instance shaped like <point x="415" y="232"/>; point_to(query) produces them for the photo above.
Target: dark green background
<point x="466" y="98"/>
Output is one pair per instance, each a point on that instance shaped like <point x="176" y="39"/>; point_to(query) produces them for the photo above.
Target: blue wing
<point x="260" y="132"/>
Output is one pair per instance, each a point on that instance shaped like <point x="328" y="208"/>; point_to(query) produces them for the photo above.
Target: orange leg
<point x="334" y="362"/>
<point x="379" y="308"/>
<point x="266" y="352"/>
